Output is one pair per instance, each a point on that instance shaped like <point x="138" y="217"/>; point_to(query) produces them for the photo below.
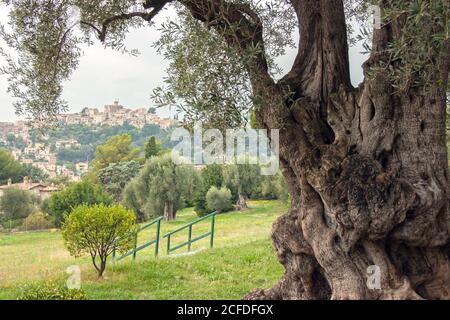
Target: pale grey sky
<point x="105" y="75"/>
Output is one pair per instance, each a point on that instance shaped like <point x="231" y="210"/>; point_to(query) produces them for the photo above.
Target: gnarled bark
<point x="370" y="188"/>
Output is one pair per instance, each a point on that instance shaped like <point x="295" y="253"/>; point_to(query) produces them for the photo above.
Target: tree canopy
<point x="61" y="203"/>
<point x="116" y="176"/>
<point x="17" y="204"/>
<point x="152" y="147"/>
<point x="160" y="188"/>
<point x="9" y="168"/>
<point x="117" y="149"/>
<point x="97" y="230"/>
<point x="215" y="47"/>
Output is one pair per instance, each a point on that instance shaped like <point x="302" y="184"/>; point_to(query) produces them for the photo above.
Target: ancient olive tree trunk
<point x="366" y="168"/>
<point x="370" y="186"/>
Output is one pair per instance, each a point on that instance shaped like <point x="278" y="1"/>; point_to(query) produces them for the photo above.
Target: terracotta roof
<point x="30" y="186"/>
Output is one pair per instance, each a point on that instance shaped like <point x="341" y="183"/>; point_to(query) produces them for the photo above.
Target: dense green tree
<point x="152" y="148"/>
<point x="61" y="181"/>
<point x="211" y="176"/>
<point x="37" y="221"/>
<point x="61" y="203"/>
<point x="9" y="168"/>
<point x="96" y="230"/>
<point x="117" y="149"/>
<point x="116" y="176"/>
<point x="131" y="199"/>
<point x="192" y="184"/>
<point x="14" y="141"/>
<point x="159" y="188"/>
<point x="81" y="154"/>
<point x="17" y="204"/>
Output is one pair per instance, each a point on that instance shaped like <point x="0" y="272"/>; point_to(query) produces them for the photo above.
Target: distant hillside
<point x="89" y="137"/>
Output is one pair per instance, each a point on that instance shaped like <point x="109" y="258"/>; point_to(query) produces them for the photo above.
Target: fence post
<point x="168" y="245"/>
<point x="114" y="253"/>
<point x="135" y="246"/>
<point x="212" y="230"/>
<point x="190" y="238"/>
<point x="158" y="229"/>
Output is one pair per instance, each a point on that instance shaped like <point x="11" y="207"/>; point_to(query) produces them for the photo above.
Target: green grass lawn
<point x="243" y="259"/>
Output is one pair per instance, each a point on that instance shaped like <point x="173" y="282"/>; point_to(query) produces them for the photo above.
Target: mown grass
<point x="243" y="259"/>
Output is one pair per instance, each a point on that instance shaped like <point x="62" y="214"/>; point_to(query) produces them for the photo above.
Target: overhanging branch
<point x="147" y="16"/>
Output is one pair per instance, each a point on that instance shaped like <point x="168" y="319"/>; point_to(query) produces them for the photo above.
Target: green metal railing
<point x="190" y="241"/>
<point x="136" y="249"/>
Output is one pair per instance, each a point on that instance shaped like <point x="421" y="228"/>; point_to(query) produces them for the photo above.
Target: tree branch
<point x="322" y="62"/>
<point x="147" y="16"/>
<point x="240" y="26"/>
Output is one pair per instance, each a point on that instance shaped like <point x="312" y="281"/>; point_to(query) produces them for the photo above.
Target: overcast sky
<point x="105" y="75"/>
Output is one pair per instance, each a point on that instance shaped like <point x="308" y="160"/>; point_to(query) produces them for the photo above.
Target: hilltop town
<point x="19" y="137"/>
<point x="115" y="115"/>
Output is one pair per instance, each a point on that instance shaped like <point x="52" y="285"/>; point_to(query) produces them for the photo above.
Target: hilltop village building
<point x="116" y="115"/>
<point x="16" y="137"/>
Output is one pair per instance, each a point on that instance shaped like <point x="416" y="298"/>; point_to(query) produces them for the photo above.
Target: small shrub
<point x="37" y="221"/>
<point x="50" y="290"/>
<point x="219" y="199"/>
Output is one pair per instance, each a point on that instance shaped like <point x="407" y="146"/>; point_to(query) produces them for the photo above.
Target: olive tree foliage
<point x="44" y="40"/>
<point x="206" y="75"/>
<point x="219" y="199"/>
<point x="48" y="35"/>
<point x="161" y="188"/>
<point x="206" y="79"/>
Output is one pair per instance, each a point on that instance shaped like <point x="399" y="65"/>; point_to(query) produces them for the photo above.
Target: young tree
<point x="115" y="177"/>
<point x="61" y="203"/>
<point x="366" y="167"/>
<point x="96" y="230"/>
<point x="152" y="148"/>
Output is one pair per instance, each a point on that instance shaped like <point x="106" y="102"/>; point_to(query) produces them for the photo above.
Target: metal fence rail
<point x="191" y="240"/>
<point x="156" y="240"/>
<point x="136" y="249"/>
